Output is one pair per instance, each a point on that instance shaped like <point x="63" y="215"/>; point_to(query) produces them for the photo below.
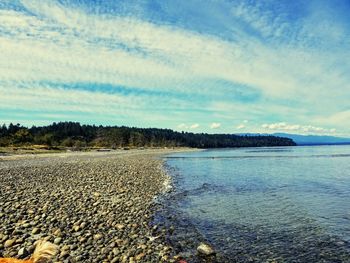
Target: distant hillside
<point x="314" y="139"/>
<point x="72" y="134"/>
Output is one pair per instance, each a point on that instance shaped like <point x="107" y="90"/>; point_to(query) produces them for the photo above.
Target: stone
<point x="115" y="251"/>
<point x="98" y="236"/>
<point x="205" y="249"/>
<point x="140" y="256"/>
<point x="57" y="240"/>
<point x="35" y="230"/>
<point x="57" y="232"/>
<point x="119" y="226"/>
<point x="23" y="252"/>
<point x="9" y="243"/>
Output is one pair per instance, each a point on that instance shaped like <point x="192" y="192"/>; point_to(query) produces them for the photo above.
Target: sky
<point x="216" y="66"/>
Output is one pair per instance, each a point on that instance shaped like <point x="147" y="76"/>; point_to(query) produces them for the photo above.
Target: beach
<point x="96" y="206"/>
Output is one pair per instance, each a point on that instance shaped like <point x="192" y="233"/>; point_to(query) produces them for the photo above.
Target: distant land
<point x="314" y="139"/>
<point x="307" y="139"/>
<point x="75" y="135"/>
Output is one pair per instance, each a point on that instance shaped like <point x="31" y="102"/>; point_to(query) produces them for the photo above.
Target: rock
<point x="64" y="254"/>
<point x="98" y="236"/>
<point x="112" y="225"/>
<point x="115" y="251"/>
<point x="35" y="230"/>
<point x="140" y="256"/>
<point x="120" y="226"/>
<point x="205" y="249"/>
<point x="23" y="252"/>
<point x="57" y="240"/>
<point x="57" y="232"/>
<point x="9" y="243"/>
<point x="65" y="247"/>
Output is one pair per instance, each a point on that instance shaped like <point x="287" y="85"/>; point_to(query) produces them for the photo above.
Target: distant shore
<point x="97" y="206"/>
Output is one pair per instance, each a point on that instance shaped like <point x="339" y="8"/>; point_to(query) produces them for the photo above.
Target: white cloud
<point x="156" y="56"/>
<point x="182" y="126"/>
<point x="283" y="126"/>
<point x="60" y="44"/>
<point x="215" y="125"/>
<point x="241" y="126"/>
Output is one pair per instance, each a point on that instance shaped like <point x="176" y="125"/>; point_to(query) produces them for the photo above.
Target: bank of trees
<point x="73" y="134"/>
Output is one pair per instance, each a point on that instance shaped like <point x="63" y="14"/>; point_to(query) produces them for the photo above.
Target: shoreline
<point x="97" y="207"/>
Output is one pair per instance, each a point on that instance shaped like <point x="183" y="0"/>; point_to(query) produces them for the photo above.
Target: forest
<point x="75" y="135"/>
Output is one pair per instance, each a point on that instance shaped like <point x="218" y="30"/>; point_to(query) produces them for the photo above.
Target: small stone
<point x="140" y="256"/>
<point x="57" y="232"/>
<point x="35" y="230"/>
<point x="57" y="240"/>
<point x="98" y="236"/>
<point x="64" y="254"/>
<point x="205" y="249"/>
<point x="65" y="247"/>
<point x="23" y="252"/>
<point x="9" y="243"/>
<point x="119" y="226"/>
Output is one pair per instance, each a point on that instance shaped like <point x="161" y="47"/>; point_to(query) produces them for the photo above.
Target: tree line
<point x="73" y="134"/>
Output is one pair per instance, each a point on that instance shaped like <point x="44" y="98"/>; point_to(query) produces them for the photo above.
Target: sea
<point x="273" y="204"/>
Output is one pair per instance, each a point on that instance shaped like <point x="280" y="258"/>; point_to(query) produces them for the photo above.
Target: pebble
<point x="205" y="249"/>
<point x="95" y="209"/>
<point x="23" y="252"/>
<point x="9" y="243"/>
<point x="35" y="230"/>
<point x="57" y="240"/>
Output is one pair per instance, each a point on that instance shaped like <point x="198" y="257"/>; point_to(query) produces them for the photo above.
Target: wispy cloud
<point x="282" y="126"/>
<point x="240" y="126"/>
<point x="184" y="126"/>
<point x="215" y="125"/>
<point x="261" y="61"/>
<point x="194" y="126"/>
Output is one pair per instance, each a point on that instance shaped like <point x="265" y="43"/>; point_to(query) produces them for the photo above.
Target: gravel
<point x="96" y="207"/>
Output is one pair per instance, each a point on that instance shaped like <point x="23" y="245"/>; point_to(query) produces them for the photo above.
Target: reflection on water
<point x="255" y="206"/>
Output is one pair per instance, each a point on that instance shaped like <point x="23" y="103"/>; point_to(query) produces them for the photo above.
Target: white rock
<point x="205" y="249"/>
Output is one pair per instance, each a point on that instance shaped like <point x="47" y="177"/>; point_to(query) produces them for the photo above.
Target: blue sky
<point x="215" y="66"/>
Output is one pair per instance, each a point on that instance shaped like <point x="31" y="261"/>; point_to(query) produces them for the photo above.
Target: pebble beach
<point x="97" y="207"/>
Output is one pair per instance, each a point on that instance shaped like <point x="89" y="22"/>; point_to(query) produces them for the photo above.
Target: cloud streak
<point x="215" y="125"/>
<point x="255" y="60"/>
<point x="282" y="126"/>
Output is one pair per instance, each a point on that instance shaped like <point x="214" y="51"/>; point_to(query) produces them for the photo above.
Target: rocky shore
<point x="96" y="207"/>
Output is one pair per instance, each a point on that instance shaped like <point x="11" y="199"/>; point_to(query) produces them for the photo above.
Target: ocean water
<point x="281" y="204"/>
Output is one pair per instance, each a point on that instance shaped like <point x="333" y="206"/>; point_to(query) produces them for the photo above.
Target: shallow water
<point x="288" y="204"/>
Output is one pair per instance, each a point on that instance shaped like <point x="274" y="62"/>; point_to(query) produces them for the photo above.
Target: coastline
<point x="97" y="207"/>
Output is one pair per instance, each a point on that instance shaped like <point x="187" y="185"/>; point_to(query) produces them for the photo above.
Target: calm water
<point x="286" y="204"/>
